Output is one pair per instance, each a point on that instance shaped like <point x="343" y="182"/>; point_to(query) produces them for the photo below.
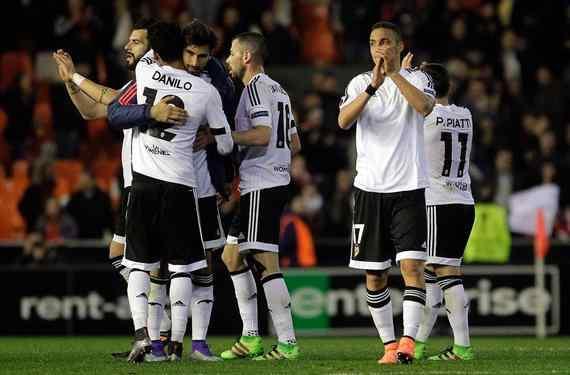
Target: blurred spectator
<point x="338" y="223"/>
<point x="79" y="30"/>
<point x="504" y="177"/>
<point x="18" y="101"/>
<point x="509" y="56"/>
<point x="300" y="176"/>
<point x="318" y="44"/>
<point x="90" y="207"/>
<point x="205" y="11"/>
<point x="42" y="187"/>
<point x="562" y="225"/>
<point x="550" y="97"/>
<point x="281" y="46"/>
<point x="296" y="247"/>
<point x="55" y="225"/>
<point x="36" y="253"/>
<point x="230" y="26"/>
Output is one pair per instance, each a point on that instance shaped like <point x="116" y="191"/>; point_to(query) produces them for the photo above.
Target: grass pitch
<point x="324" y="355"/>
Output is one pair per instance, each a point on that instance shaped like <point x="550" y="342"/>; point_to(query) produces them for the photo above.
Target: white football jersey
<point x="164" y="152"/>
<point x="389" y="135"/>
<point x="264" y="102"/>
<point x="205" y="187"/>
<point x="448" y="140"/>
<point x="126" y="151"/>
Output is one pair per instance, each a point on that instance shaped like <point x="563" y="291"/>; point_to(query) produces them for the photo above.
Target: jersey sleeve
<point x="423" y="82"/>
<point x="144" y="64"/>
<point x="292" y="127"/>
<point x="355" y="87"/>
<point x="218" y="123"/>
<point x="258" y="105"/>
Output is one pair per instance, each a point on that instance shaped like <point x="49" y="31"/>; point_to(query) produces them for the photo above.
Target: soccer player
<point x="450" y="216"/>
<point x="210" y="176"/>
<point x="389" y="104"/>
<point x="162" y="215"/>
<point x="92" y="100"/>
<point x="266" y="135"/>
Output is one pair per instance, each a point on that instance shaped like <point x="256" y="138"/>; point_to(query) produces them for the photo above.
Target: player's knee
<point x="116" y="249"/>
<point x="412" y="269"/>
<point x="441" y="270"/>
<point x="376" y="280"/>
<point x="231" y="258"/>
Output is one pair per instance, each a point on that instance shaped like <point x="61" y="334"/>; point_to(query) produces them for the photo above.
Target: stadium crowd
<point x="60" y="174"/>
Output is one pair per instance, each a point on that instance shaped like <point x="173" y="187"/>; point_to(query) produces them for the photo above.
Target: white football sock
<point x="246" y="295"/>
<point x="180" y="295"/>
<point x="202" y="303"/>
<point x="413" y="310"/>
<point x="279" y="304"/>
<point x="137" y="291"/>
<point x="156" y="301"/>
<point x="434" y="299"/>
<point x="380" y="306"/>
<point x="457" y="306"/>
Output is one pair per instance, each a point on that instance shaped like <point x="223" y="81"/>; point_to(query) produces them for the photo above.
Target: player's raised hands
<point x="407" y="61"/>
<point x="168" y="113"/>
<point x="390" y="57"/>
<point x="65" y="66"/>
<point x="378" y="74"/>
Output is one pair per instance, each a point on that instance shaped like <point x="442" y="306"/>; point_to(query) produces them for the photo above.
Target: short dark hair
<point x="256" y="42"/>
<point x="440" y="78"/>
<point x="144" y="24"/>
<point x="166" y="39"/>
<point x="388" y="25"/>
<point x="199" y="34"/>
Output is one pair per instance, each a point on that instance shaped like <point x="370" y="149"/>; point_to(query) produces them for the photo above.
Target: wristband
<point x="77" y="79"/>
<point x="370" y="90"/>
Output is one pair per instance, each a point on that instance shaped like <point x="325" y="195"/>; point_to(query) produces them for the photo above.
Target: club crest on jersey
<point x="357" y="231"/>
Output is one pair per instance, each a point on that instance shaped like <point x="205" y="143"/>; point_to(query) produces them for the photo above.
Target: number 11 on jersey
<point x="447" y="139"/>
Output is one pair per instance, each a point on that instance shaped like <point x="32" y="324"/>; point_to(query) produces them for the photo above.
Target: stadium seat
<point x="104" y="172"/>
<point x="67" y="174"/>
<point x="96" y="128"/>
<point x="20" y="170"/>
<point x="13" y="64"/>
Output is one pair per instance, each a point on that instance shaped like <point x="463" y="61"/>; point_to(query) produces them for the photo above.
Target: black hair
<point x="388" y="25"/>
<point x="440" y="78"/>
<point x="199" y="34"/>
<point x="144" y="24"/>
<point x="256" y="43"/>
<point x="166" y="40"/>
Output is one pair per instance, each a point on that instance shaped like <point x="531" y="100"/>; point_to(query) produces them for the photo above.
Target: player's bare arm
<point x="418" y="100"/>
<point x="350" y="112"/>
<point x="295" y="144"/>
<point x="88" y="97"/>
<point x="407" y="61"/>
<point x="257" y="136"/>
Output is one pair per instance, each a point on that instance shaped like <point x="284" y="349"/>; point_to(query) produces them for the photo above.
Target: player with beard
<point x="92" y="100"/>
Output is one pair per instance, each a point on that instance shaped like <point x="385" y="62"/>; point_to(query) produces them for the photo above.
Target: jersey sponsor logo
<point x="156" y="150"/>
<point x="463" y="123"/>
<point x="458" y="185"/>
<point x="171" y="81"/>
<point x="281" y="168"/>
<point x="259" y="114"/>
